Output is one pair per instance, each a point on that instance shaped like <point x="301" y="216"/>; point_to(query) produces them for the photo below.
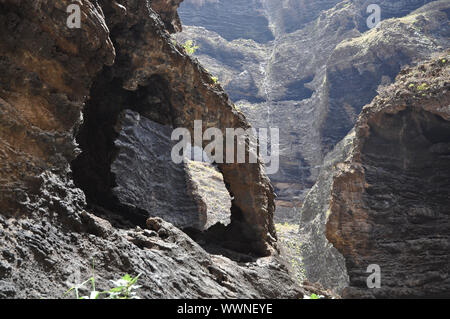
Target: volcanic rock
<point x="382" y="197"/>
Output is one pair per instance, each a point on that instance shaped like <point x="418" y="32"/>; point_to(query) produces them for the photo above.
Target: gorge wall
<point x="80" y="111"/>
<point x="382" y="197"/>
<point x="313" y="78"/>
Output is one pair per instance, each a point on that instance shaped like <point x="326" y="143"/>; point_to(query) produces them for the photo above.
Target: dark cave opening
<point x="96" y="139"/>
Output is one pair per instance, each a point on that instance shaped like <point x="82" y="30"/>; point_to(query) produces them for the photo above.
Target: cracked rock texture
<point x="383" y="194"/>
<point x="207" y="185"/>
<point x="313" y="78"/>
<point x="62" y="92"/>
<point x="191" y="195"/>
<point x="147" y="178"/>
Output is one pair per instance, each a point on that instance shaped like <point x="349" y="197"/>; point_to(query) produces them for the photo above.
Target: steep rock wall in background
<point x="313" y="79"/>
<point x="382" y="196"/>
<point x="62" y="92"/>
<point x="233" y="19"/>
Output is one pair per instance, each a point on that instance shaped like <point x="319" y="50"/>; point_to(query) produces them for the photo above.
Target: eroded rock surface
<point x="61" y="94"/>
<point x="313" y="79"/>
<point x="208" y="187"/>
<point x="382" y="197"/>
<point x="188" y="195"/>
<point x="146" y="177"/>
<point x="44" y="259"/>
<point x="233" y="19"/>
<point x="156" y="79"/>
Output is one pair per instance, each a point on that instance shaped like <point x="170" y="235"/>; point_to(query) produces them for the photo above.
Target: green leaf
<point x="94" y="295"/>
<point x="135" y="279"/>
<point x="116" y="289"/>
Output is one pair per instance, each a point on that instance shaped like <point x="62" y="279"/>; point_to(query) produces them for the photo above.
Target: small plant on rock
<point x="124" y="288"/>
<point x="314" y="296"/>
<point x="190" y="47"/>
<point x="423" y="87"/>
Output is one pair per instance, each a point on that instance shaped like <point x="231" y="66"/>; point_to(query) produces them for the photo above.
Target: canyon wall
<point x="382" y="196"/>
<point x="312" y="80"/>
<point x="79" y="108"/>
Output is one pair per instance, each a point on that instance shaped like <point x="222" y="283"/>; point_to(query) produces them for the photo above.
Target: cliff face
<point x="313" y="79"/>
<point x="358" y="66"/>
<point x="382" y="196"/>
<point x="168" y="13"/>
<point x="78" y="106"/>
<point x="231" y="19"/>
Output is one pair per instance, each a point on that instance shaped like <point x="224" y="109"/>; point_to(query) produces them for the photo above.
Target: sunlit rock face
<point x="313" y="79"/>
<point x="232" y="19"/>
<point x="207" y="186"/>
<point x="288" y="16"/>
<point x="382" y="197"/>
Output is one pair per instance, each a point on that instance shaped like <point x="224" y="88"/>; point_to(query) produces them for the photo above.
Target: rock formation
<point x="86" y="174"/>
<point x="167" y="10"/>
<point x="382" y="196"/>
<point x="148" y="182"/>
<point x="208" y="187"/>
<point x="70" y="100"/>
<point x="232" y="19"/>
<point x="312" y="80"/>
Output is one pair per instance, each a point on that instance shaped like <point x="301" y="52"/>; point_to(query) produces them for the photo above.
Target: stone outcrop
<point x="313" y="79"/>
<point x="206" y="184"/>
<point x="44" y="258"/>
<point x="156" y="79"/>
<point x="382" y="196"/>
<point x="62" y="94"/>
<point x="168" y="12"/>
<point x="358" y="66"/>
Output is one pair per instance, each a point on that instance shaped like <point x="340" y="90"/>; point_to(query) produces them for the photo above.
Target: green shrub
<point x="190" y="47"/>
<point x="422" y="87"/>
